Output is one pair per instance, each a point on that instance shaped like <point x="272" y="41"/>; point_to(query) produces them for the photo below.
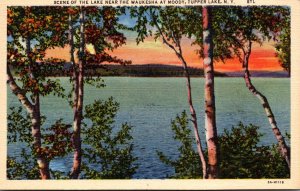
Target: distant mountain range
<point x="146" y="70"/>
<point x="269" y="74"/>
<point x="160" y="70"/>
<point x="150" y="70"/>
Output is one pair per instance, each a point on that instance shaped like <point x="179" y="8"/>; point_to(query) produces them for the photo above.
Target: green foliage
<point x="283" y="46"/>
<point x="237" y="26"/>
<point x="18" y="126"/>
<point x="175" y="25"/>
<point x="95" y="82"/>
<point x="19" y="131"/>
<point x="109" y="152"/>
<point x="25" y="168"/>
<point x="241" y="155"/>
<point x="188" y="163"/>
<point x="55" y="144"/>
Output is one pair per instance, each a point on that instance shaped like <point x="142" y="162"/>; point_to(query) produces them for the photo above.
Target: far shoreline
<point x="129" y="76"/>
<point x="157" y="71"/>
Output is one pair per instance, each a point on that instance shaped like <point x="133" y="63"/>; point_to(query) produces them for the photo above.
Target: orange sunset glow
<point x="155" y="52"/>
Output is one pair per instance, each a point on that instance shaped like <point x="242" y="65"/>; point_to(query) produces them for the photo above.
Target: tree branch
<point x="162" y="35"/>
<point x="18" y="91"/>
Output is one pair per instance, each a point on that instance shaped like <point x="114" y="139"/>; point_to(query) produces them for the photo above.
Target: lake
<point x="149" y="105"/>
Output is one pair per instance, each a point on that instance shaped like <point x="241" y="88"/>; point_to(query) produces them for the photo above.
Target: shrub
<point x="109" y="152"/>
<point x="55" y="144"/>
<point x="188" y="163"/>
<point x="241" y="155"/>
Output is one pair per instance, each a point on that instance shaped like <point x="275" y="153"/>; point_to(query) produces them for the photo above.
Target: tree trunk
<point x="18" y="91"/>
<point x="210" y="110"/>
<point x="36" y="120"/>
<point x="194" y="117"/>
<point x="37" y="145"/>
<point x="34" y="113"/>
<point x="78" y="114"/>
<point x="75" y="67"/>
<point x="189" y="90"/>
<point x="284" y="149"/>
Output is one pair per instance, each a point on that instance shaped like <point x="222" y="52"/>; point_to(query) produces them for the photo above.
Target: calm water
<point x="149" y="104"/>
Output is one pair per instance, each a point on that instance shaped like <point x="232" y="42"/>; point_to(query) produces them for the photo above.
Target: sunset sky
<point x="151" y="52"/>
<point x="155" y="52"/>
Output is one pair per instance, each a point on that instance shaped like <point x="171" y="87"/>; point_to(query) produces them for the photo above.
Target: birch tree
<point x="30" y="33"/>
<point x="242" y="28"/>
<point x="171" y="28"/>
<point x="43" y="28"/>
<point x="78" y="97"/>
<point x="210" y="108"/>
<point x="98" y="27"/>
<point x="173" y="25"/>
